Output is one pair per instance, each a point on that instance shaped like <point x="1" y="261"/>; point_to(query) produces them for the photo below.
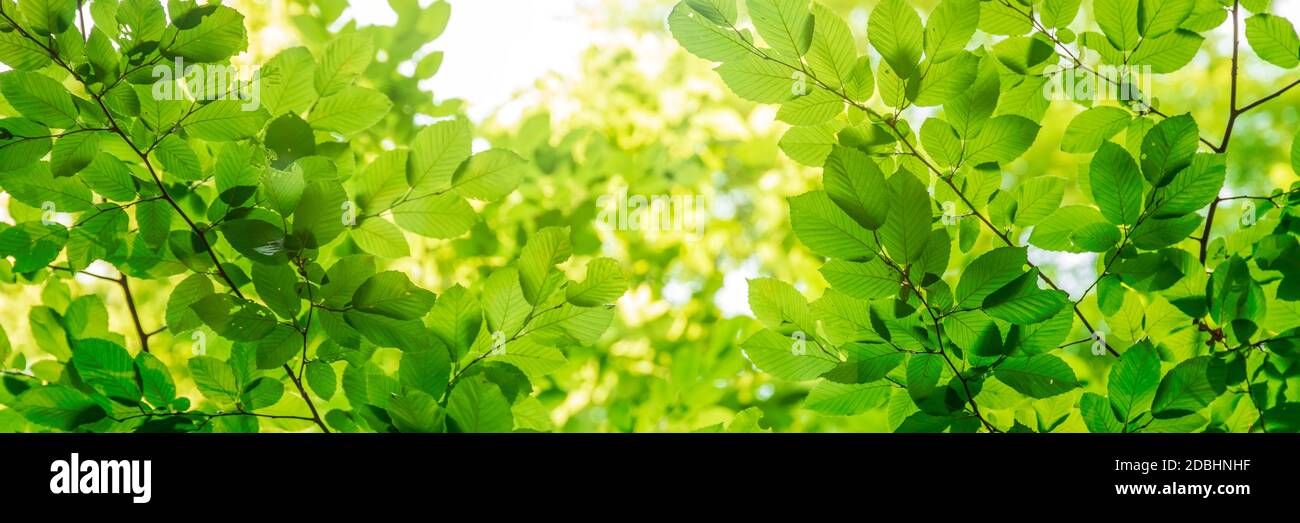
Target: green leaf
<point x="425" y="370"/>
<point x="392" y="294"/>
<point x="544" y="250"/>
<point x="1168" y="53"/>
<point x="233" y="318"/>
<point x="841" y="399"/>
<point x="155" y="220"/>
<point x="944" y="81"/>
<point x="33" y="245"/>
<point x="217" y="36"/>
<point x="226" y="121"/>
<point x="907" y="230"/>
<point x="258" y="240"/>
<point x="39" y="98"/>
<point x="287" y="82"/>
<point x="215" y="379"/>
<point x="950" y="28"/>
<point x="1042" y="337"/>
<point x="976" y="332"/>
<point x="721" y="12"/>
<point x="1041" y="376"/>
<point x="441" y="216"/>
<point x="1119" y="21"/>
<point x="319" y="216"/>
<point x="180" y="317"/>
<point x="504" y="303"/>
<point x="351" y="110"/>
<point x="276" y="286"/>
<point x="855" y="183"/>
<point x="1133" y="381"/>
<point x="1189" y="387"/>
<point x="1097" y="414"/>
<point x="1003" y="139"/>
<point x="604" y="284"/>
<point x="1022" y="302"/>
<point x="1038" y="198"/>
<point x="868" y="281"/>
<point x="941" y="142"/>
<point x="1091" y="128"/>
<point x="894" y="30"/>
<point x="416" y="412"/>
<point x="775" y="354"/>
<point x="436" y="152"/>
<point x="343" y="61"/>
<point x="829" y="231"/>
<point x="816" y="107"/>
<point x="489" y="175"/>
<point x="833" y="56"/>
<point x="261" y="393"/>
<point x="1193" y="188"/>
<point x="704" y="32"/>
<point x="155" y="380"/>
<point x="1168" y="148"/>
<point x="999" y="18"/>
<point x="1058" y="14"/>
<point x="109" y="177"/>
<point x="1116" y="184"/>
<point x="1295" y="153"/>
<point x="1095" y="237"/>
<point x="456" y="319"/>
<point x="759" y="80"/>
<point x="810" y="144"/>
<point x="1157" y="17"/>
<point x="72" y="153"/>
<point x="58" y="407"/>
<point x="867" y="362"/>
<point x="776" y="303"/>
<point x="107" y="368"/>
<point x="381" y="238"/>
<point x="477" y="405"/>
<point x="47" y="17"/>
<point x="786" y="25"/>
<point x="988" y="273"/>
<point x="1057" y="232"/>
<point x="22" y="142"/>
<point x="1156" y="233"/>
<point x="1274" y="39"/>
<point x="322" y="379"/>
<point x="533" y="359"/>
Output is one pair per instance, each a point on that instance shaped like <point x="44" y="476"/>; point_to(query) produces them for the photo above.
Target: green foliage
<point x="1188" y="325"/>
<point x="268" y="224"/>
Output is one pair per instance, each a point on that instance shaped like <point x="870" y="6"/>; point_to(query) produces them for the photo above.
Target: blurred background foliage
<point x="641" y="113"/>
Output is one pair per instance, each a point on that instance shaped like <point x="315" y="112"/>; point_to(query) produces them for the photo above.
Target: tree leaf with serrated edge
<point x="705" y="36"/>
<point x="894" y="30"/>
<point x="392" y="294"/>
<point x="1089" y="129"/>
<point x="1274" y="39"/>
<point x="1116" y="184"/>
<point x="1037" y="198"/>
<point x="1041" y="376"/>
<point x="604" y="284"/>
<point x="1022" y="302"/>
<point x="841" y="399"/>
<point x="989" y="273"/>
<point x="786" y="25"/>
<point x="907" y="229"/>
<point x="773" y="354"/>
<point x="855" y="183"/>
<point x="827" y="230"/>
<point x="1133" y="381"/>
<point x="950" y="28"/>
<point x="1168" y="148"/>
